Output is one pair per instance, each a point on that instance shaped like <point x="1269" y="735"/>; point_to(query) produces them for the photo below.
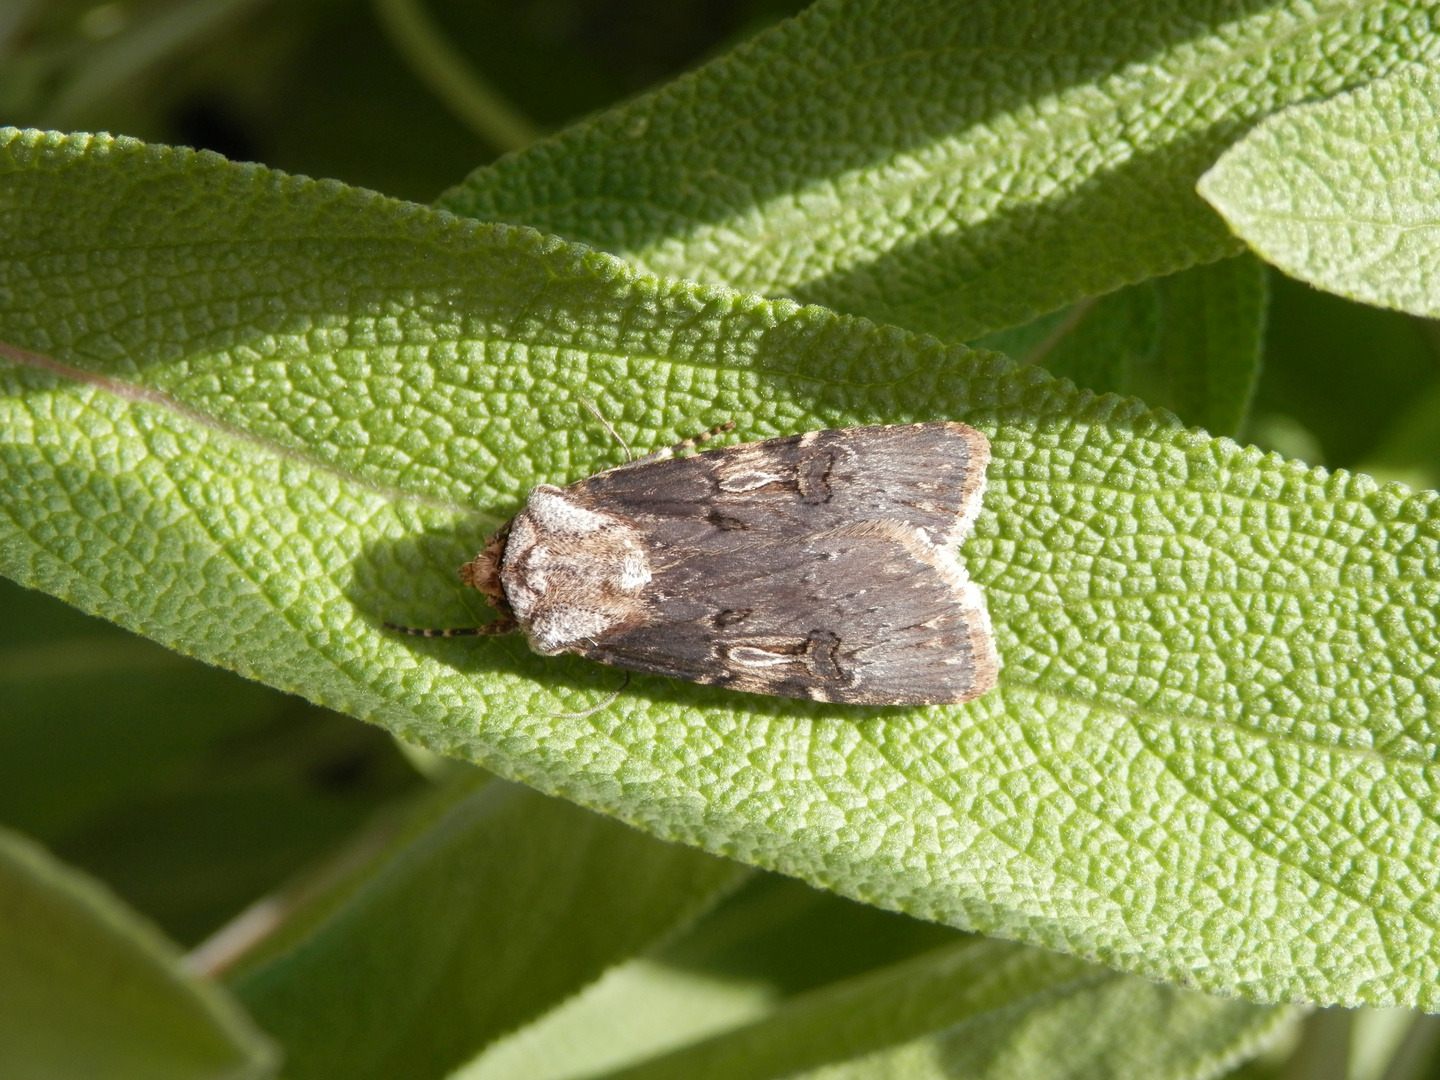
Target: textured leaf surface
<point x="951" y="168"/>
<point x="490" y="906"/>
<point x="253" y="416"/>
<point x="1190" y="342"/>
<point x="88" y="990"/>
<point x="1344" y="193"/>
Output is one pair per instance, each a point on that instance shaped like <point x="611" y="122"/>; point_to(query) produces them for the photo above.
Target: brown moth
<point x="820" y="566"/>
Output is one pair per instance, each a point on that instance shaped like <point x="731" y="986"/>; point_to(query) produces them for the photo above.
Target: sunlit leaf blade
<point x="982" y="1009"/>
<point x="1344" y="193"/>
<point x="491" y="905"/>
<point x="1190" y="342"/>
<point x="637" y="1011"/>
<point x="253" y="416"/>
<point x="88" y="990"/>
<point x="953" y="168"/>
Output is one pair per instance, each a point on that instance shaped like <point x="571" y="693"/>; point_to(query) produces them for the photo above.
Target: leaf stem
<point x="451" y="78"/>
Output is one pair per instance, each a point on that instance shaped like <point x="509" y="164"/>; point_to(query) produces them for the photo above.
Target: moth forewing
<point x="820" y="566"/>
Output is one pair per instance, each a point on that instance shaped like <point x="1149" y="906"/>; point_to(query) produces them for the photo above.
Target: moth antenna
<point x="491" y="629"/>
<point x="685" y="444"/>
<point x="603" y="705"/>
<point x="629" y="457"/>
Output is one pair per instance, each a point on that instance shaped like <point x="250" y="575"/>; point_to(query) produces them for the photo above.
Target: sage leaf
<point x="1343" y="193"/>
<point x="950" y="168"/>
<point x="88" y="989"/>
<point x="254" y="416"/>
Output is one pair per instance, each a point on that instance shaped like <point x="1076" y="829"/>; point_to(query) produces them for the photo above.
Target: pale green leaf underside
<point x="1345" y="194"/>
<point x="1211" y="753"/>
<point x="980" y="1010"/>
<point x="87" y="989"/>
<point x="951" y="168"/>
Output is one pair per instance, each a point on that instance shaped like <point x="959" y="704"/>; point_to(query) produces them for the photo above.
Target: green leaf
<point x="81" y="732"/>
<point x="638" y="1010"/>
<point x="253" y="416"/>
<point x="88" y="990"/>
<point x="951" y="168"/>
<point x="956" y="1008"/>
<point x="1342" y="193"/>
<point x="982" y="1009"/>
<point x="488" y="907"/>
<point x="1190" y="342"/>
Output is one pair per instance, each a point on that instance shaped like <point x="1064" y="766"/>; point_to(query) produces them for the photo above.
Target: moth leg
<point x="684" y="444"/>
<point x="490" y="629"/>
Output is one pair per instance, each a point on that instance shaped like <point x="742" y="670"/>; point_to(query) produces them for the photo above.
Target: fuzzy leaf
<point x="985" y="1010"/>
<point x="87" y="989"/>
<point x="492" y="904"/>
<point x="1343" y="193"/>
<point x="951" y="168"/>
<point x="253" y="416"/>
<point x="975" y="1009"/>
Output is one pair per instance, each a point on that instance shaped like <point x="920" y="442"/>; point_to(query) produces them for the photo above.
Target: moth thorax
<point x="571" y="573"/>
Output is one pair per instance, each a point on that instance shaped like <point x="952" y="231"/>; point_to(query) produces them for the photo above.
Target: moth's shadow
<point x="414" y="581"/>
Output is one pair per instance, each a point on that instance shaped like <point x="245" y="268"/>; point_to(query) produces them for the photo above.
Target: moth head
<point x="483" y="571"/>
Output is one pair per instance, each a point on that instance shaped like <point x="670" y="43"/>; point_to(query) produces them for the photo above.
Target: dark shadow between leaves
<point x="960" y="284"/>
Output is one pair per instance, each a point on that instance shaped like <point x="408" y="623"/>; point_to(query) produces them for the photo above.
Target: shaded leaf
<point x="1410" y="450"/>
<point x="187" y="789"/>
<point x="488" y="906"/>
<point x="88" y="990"/>
<point x="958" y="1008"/>
<point x="1343" y="371"/>
<point x="1190" y="342"/>
<point x="983" y="1009"/>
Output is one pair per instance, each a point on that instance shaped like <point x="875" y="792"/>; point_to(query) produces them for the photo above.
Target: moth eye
<point x="730" y="618"/>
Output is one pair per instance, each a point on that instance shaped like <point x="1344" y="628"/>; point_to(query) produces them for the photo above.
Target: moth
<point x="821" y="566"/>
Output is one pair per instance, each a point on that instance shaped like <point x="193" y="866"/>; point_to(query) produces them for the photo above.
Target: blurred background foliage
<point x="193" y="792"/>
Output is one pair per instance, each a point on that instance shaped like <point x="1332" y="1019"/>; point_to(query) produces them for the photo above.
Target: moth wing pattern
<point x="929" y="476"/>
<point x="867" y="614"/>
<point x="817" y="566"/>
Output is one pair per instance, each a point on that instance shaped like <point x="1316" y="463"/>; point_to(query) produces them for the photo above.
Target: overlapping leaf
<point x="951" y="168"/>
<point x="253" y="416"/>
<point x="87" y="989"/>
<point x="491" y="905"/>
<point x="1342" y="193"/>
<point x="1190" y="342"/>
<point x="968" y="1010"/>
